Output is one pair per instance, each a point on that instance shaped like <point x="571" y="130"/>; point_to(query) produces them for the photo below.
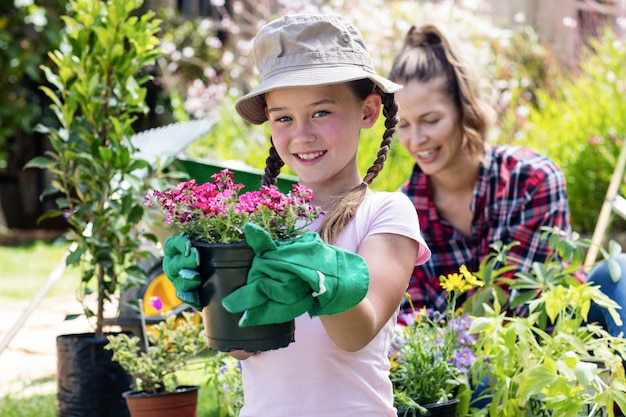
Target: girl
<point x="318" y="89"/>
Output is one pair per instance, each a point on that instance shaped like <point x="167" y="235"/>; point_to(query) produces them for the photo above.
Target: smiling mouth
<point x="426" y="154"/>
<point x="309" y="156"/>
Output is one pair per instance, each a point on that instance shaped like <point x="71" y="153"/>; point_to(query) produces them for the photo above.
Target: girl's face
<point x="430" y="126"/>
<point x="316" y="130"/>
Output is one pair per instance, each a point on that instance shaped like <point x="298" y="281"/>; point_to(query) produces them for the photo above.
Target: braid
<point x="343" y="208"/>
<point x="390" y="111"/>
<point x="273" y="164"/>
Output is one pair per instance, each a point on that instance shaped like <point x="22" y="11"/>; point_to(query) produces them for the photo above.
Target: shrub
<point x="582" y="125"/>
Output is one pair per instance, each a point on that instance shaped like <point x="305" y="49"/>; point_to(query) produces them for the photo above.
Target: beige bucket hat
<point x="305" y="51"/>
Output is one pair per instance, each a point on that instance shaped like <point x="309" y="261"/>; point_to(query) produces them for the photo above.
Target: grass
<point x="25" y="269"/>
<point x="30" y="264"/>
<point x="19" y="403"/>
<point x="44" y="405"/>
<point x="41" y="405"/>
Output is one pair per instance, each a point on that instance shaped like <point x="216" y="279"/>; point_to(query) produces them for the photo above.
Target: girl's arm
<point x="390" y="259"/>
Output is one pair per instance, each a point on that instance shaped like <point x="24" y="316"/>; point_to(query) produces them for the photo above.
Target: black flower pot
<point x="89" y="383"/>
<point x="444" y="409"/>
<point x="223" y="269"/>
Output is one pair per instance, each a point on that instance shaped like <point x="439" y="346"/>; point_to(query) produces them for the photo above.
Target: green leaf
<point x="585" y="372"/>
<point x="94" y="83"/>
<point x="523" y="298"/>
<point x="65" y="74"/>
<point x="123" y="158"/>
<point x="40" y="162"/>
<point x="614" y="247"/>
<point x="74" y="256"/>
<point x="104" y="36"/>
<point x="54" y="80"/>
<point x="135" y="214"/>
<point x="134" y="89"/>
<point x="51" y="95"/>
<point x="49" y="214"/>
<point x="106" y="154"/>
<point x="615" y="270"/>
<point x="48" y="191"/>
<point x="536" y="379"/>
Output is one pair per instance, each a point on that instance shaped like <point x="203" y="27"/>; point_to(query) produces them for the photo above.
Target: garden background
<point x="569" y="107"/>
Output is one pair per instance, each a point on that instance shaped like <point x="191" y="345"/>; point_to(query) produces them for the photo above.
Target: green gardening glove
<point x="179" y="264"/>
<point x="290" y="277"/>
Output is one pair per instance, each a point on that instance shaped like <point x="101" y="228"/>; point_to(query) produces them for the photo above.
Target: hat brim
<point x="251" y="106"/>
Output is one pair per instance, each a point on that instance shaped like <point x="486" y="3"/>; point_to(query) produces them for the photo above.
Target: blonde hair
<point x="344" y="207"/>
<point x="429" y="53"/>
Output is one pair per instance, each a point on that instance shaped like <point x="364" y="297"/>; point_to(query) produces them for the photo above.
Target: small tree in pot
<point x="96" y="92"/>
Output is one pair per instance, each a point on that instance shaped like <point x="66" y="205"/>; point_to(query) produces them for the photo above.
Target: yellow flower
<point x="470" y="278"/>
<point x="460" y="283"/>
<point x="393" y="362"/>
<point x="453" y="282"/>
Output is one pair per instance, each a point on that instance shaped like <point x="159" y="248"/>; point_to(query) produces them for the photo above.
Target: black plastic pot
<point x="89" y="383"/>
<point x="224" y="268"/>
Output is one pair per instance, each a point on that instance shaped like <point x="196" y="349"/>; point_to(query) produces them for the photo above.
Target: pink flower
<point x="595" y="140"/>
<point x="215" y="212"/>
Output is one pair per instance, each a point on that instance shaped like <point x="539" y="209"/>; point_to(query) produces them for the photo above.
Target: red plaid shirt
<point x="518" y="192"/>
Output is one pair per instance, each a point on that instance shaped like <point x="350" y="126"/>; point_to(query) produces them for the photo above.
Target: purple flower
<point x="156" y="303"/>
<point x="463" y="358"/>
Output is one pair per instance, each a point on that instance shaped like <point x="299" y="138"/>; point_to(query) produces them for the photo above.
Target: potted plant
<point x="551" y="361"/>
<point x="215" y="212"/>
<point x="432" y="353"/>
<point x="213" y="216"/>
<point x="95" y="86"/>
<point x="153" y="364"/>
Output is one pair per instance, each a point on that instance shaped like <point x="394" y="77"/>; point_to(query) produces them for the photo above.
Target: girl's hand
<point x="241" y="355"/>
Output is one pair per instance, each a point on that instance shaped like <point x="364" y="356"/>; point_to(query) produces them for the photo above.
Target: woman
<point x="468" y="193"/>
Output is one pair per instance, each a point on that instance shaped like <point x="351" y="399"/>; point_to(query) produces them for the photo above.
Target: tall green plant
<point x="97" y="78"/>
<point x="552" y="361"/>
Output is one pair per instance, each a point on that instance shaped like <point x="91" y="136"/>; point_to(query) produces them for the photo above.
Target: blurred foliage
<point x="27" y="32"/>
<point x="520" y="67"/>
<point x="582" y="125"/>
<point x="207" y="63"/>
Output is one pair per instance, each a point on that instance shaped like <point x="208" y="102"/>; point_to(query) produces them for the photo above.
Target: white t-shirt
<point x="312" y="377"/>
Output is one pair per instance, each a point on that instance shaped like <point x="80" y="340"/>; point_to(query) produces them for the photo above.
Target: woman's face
<point x="430" y="126"/>
<point x="316" y="132"/>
